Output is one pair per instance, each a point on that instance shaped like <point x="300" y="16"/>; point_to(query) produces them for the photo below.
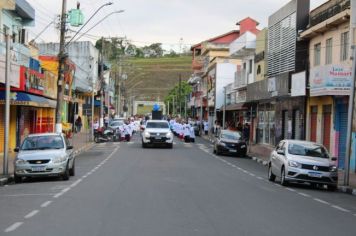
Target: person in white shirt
<point x="96" y="125"/>
<point x="206" y="127"/>
<point x="127" y="132"/>
<point x="186" y="130"/>
<point x="192" y="134"/>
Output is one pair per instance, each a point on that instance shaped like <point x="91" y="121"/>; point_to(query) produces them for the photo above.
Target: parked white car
<point x="302" y="161"/>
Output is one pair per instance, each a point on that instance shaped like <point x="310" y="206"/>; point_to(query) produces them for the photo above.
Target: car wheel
<point x="72" y="170"/>
<point x="17" y="179"/>
<point x="214" y="151"/>
<point x="66" y="174"/>
<point x="271" y="176"/>
<point x="283" y="177"/>
<point x="217" y="152"/>
<point x="170" y="145"/>
<point x="144" y="145"/>
<point x="332" y="188"/>
<point x="96" y="139"/>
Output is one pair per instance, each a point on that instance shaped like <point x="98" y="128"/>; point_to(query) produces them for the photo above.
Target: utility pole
<point x="7" y="107"/>
<point x="61" y="60"/>
<point x="101" y="83"/>
<point x="92" y="110"/>
<point x="223" y="125"/>
<point x="352" y="94"/>
<point x="179" y="94"/>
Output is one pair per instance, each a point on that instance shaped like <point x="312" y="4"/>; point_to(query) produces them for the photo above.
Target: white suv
<point x="157" y="132"/>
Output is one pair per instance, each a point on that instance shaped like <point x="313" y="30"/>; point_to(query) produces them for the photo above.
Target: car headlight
<point x="169" y="135"/>
<point x="294" y="164"/>
<point x="146" y="134"/>
<point x="20" y="162"/>
<point x="222" y="144"/>
<point x="333" y="168"/>
<point x="57" y="160"/>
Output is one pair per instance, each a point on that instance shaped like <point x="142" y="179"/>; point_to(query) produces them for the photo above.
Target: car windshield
<point x="311" y="150"/>
<point x="117" y="123"/>
<point x="231" y="135"/>
<point x="43" y="142"/>
<point x="160" y="125"/>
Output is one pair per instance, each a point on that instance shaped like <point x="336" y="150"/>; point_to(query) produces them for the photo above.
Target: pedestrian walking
<point x="206" y="127"/>
<point x="192" y="134"/>
<point x="78" y="124"/>
<point x="246" y="132"/>
<point x="186" y="128"/>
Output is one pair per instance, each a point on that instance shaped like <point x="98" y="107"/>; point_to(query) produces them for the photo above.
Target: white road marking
<point x="13" y="227"/>
<point x="321" y="201"/>
<point x="290" y="189"/>
<point x="304" y="194"/>
<point x="75" y="183"/>
<point x="31" y="214"/>
<point x="28" y="194"/>
<point x="275" y="184"/>
<point x="340" y="208"/>
<point x="46" y="204"/>
<point x="260" y="178"/>
<point x="65" y="190"/>
<point x="252" y="174"/>
<point x="58" y="195"/>
<point x="354" y="214"/>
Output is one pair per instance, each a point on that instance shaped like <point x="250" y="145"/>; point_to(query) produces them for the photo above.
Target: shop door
<point x="313" y="122"/>
<point x="342" y="138"/>
<point x="326" y="126"/>
<point x="296" y="125"/>
<point x="285" y="124"/>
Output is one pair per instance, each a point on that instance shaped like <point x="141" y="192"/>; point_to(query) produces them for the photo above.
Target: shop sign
<point x="14" y="73"/>
<point x="330" y="80"/>
<point x="298" y="84"/>
<point x="34" y="81"/>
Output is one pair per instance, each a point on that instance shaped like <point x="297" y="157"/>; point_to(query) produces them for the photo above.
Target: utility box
<point x="156" y="115"/>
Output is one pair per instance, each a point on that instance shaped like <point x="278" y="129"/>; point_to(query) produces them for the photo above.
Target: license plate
<point x="231" y="150"/>
<point x="243" y="146"/>
<point x="38" y="168"/>
<point x="158" y="138"/>
<point x="314" y="174"/>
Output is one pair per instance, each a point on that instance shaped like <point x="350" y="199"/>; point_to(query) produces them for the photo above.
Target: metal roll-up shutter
<point x="2" y="127"/>
<point x="296" y="122"/>
<point x="285" y="124"/>
<point x="342" y="138"/>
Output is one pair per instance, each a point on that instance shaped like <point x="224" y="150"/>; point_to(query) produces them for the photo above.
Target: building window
<point x="329" y="51"/>
<point x="344" y="46"/>
<point x="250" y="66"/>
<point x="259" y="69"/>
<point x="317" y="48"/>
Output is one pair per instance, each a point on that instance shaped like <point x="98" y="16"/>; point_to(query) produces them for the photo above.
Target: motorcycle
<point x="104" y="135"/>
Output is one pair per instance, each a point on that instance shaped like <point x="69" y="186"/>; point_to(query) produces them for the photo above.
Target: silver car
<point x="47" y="154"/>
<point x="302" y="161"/>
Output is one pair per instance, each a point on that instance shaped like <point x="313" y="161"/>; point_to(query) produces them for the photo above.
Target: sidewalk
<point x="80" y="142"/>
<point x="260" y="153"/>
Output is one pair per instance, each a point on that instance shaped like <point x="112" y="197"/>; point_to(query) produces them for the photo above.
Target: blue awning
<point x="26" y="99"/>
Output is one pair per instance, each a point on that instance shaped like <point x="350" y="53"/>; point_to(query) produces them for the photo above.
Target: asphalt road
<point x="122" y="189"/>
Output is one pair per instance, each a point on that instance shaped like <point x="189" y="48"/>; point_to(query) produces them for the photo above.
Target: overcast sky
<point x="170" y="22"/>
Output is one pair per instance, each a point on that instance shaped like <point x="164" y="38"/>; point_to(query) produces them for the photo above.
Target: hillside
<point x="152" y="78"/>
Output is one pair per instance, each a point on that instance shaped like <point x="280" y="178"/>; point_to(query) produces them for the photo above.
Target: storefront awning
<point x="234" y="107"/>
<point x="26" y="99"/>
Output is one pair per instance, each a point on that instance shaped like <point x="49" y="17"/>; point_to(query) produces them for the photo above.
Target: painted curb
<point x="6" y="180"/>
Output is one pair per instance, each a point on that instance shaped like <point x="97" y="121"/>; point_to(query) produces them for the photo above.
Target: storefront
<point x="265" y="130"/>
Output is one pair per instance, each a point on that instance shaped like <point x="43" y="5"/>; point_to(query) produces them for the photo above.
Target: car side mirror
<point x="334" y="159"/>
<point x="69" y="147"/>
<point x="280" y="152"/>
<point x="17" y="149"/>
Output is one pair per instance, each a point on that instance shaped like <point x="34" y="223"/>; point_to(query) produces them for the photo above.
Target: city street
<point x="123" y="189"/>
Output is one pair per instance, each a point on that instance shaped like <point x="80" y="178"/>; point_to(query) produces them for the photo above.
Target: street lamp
<point x="104" y="5"/>
<point x="114" y="12"/>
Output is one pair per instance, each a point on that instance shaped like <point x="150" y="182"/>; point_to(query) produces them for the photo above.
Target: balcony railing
<point x="330" y="12"/>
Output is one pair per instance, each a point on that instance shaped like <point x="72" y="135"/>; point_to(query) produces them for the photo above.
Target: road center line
<point x="304" y="194"/>
<point x="31" y="214"/>
<point x="321" y="201"/>
<point x="13" y="227"/>
<point x="290" y="189"/>
<point x="340" y="208"/>
<point x="46" y="204"/>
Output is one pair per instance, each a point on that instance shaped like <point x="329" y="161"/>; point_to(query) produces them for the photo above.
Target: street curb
<point x="343" y="189"/>
<point x="6" y="180"/>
